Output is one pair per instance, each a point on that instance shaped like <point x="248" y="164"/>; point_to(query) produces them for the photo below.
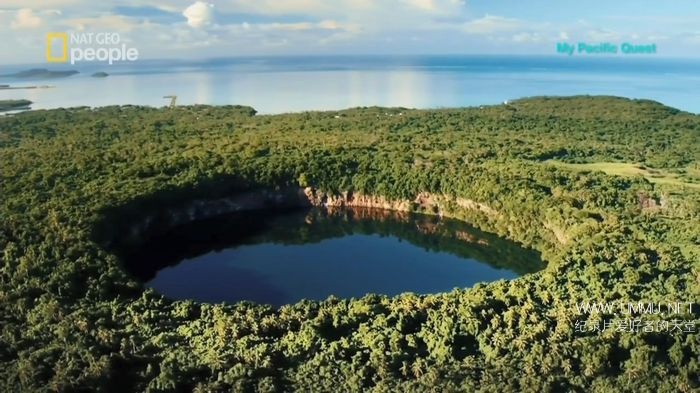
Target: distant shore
<point x="40" y="73"/>
<point x="14" y="105"/>
<point x="8" y="87"/>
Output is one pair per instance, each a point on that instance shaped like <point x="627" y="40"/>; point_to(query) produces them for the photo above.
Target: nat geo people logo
<point x="81" y="47"/>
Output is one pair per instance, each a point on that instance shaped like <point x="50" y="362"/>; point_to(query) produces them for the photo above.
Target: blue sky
<point x="190" y="29"/>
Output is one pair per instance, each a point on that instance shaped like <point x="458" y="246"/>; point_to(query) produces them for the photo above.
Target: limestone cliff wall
<point x="171" y="216"/>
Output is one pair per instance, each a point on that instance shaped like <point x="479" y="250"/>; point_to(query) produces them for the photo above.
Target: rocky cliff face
<point x="199" y="209"/>
<point x="316" y="198"/>
<point x="424" y="201"/>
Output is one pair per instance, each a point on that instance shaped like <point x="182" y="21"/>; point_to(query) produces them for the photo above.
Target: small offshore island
<point x="604" y="190"/>
<point x="14" y="105"/>
<point x="40" y="73"/>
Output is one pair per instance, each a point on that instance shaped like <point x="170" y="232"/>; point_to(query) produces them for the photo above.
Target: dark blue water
<point x="283" y="258"/>
<point x="290" y="84"/>
<point x="351" y="266"/>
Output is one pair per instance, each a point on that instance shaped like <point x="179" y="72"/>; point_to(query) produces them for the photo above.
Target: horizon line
<point x="374" y="55"/>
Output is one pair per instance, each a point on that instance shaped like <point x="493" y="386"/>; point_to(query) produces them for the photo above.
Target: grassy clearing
<point x="628" y="169"/>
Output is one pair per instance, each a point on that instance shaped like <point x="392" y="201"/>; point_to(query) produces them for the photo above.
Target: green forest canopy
<point x="73" y="319"/>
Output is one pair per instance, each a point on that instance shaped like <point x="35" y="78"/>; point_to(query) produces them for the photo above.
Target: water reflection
<point x="280" y="258"/>
<point x="296" y="84"/>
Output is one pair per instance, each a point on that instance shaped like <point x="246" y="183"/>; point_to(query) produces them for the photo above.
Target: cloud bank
<point x="188" y="28"/>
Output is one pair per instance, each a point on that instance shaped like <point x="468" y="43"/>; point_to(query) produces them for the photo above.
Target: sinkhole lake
<point x="280" y="258"/>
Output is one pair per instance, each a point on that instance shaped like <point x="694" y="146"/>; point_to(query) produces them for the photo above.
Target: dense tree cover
<point x="72" y="319"/>
<point x="8" y="105"/>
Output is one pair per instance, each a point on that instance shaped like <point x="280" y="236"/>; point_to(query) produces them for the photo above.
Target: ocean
<point x="294" y="84"/>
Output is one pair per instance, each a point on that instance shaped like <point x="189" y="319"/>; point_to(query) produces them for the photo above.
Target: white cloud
<point x="314" y="26"/>
<point x="373" y="14"/>
<point x="657" y="37"/>
<point x="692" y="38"/>
<point x="114" y="23"/>
<point x="301" y="26"/>
<point x="436" y="5"/>
<point x="603" y="35"/>
<point x="423" y="4"/>
<point x="527" y="37"/>
<point x="491" y="24"/>
<point x="199" y="14"/>
<point x="26" y="19"/>
<point x="329" y="24"/>
<point x="276" y="7"/>
<point x="39" y="4"/>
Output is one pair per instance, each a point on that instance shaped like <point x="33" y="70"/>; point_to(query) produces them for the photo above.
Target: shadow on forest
<point x="166" y="228"/>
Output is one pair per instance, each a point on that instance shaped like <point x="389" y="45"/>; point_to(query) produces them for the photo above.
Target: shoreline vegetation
<point x="40" y="73"/>
<point x="13" y="105"/>
<point x="601" y="187"/>
<point x="8" y="87"/>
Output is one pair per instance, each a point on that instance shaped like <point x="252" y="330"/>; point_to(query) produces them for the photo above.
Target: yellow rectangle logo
<point x="50" y="37"/>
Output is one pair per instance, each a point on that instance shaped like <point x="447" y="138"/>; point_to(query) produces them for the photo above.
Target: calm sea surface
<point x="292" y="84"/>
